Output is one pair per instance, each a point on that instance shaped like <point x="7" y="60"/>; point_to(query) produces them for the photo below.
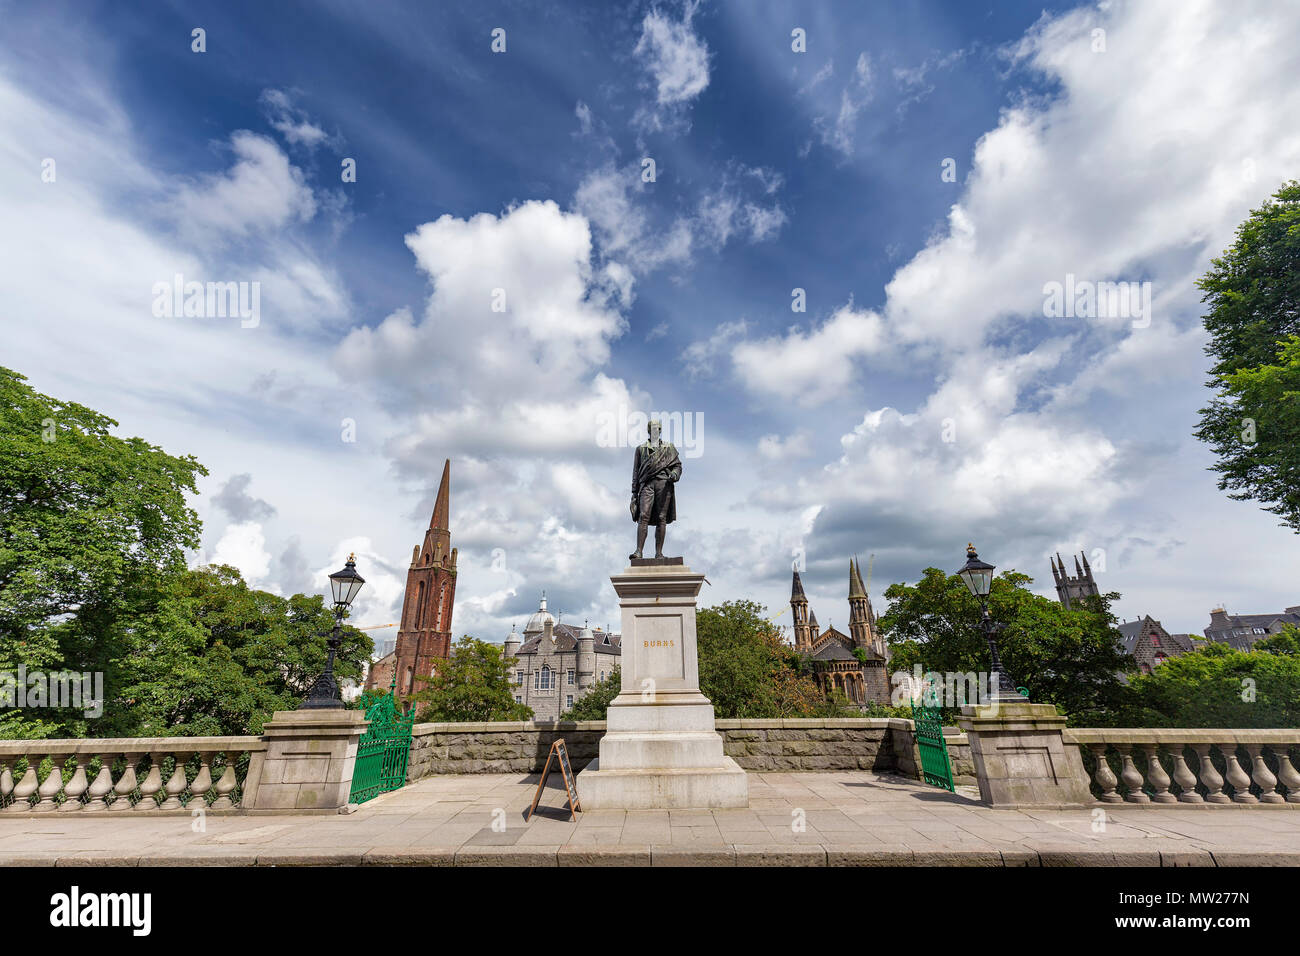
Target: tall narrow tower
<point x="1068" y="588"/>
<point x="424" y="636"/>
<point x="862" y="620"/>
<point x="804" y="628"/>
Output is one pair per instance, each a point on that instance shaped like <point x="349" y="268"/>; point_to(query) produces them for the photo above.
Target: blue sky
<point x="921" y="400"/>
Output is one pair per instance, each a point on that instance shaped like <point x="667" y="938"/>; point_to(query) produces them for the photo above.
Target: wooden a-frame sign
<point x="570" y="780"/>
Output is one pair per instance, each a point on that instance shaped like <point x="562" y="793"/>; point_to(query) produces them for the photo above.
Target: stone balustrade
<point x="135" y="774"/>
<point x="1143" y="766"/>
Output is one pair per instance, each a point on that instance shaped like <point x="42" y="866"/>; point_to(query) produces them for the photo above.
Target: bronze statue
<point x="655" y="471"/>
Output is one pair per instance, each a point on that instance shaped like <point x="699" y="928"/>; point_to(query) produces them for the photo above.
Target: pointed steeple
<point x="856" y="590"/>
<point x="812" y="622"/>
<point x="796" y="589"/>
<point x="437" y="540"/>
<point x="441" y="520"/>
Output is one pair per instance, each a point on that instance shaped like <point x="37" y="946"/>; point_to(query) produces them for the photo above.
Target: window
<point x="569" y="698"/>
<point x="543" y="681"/>
<point x="1260" y="630"/>
<point x="519" y="678"/>
<point x="518" y="700"/>
<point x="570" y="677"/>
<point x="1155" y="639"/>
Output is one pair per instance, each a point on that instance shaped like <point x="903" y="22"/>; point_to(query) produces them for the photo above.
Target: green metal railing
<point x="383" y="750"/>
<point x="936" y="768"/>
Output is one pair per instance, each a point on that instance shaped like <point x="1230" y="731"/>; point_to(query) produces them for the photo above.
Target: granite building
<point x="1148" y="641"/>
<point x="1241" y="631"/>
<point x="836" y="667"/>
<point x="556" y="664"/>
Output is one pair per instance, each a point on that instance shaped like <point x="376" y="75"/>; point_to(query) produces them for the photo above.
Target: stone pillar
<point x="1021" y="758"/>
<point x="308" y="760"/>
<point x="660" y="749"/>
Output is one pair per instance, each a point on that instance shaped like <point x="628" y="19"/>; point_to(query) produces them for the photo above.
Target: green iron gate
<point x="935" y="766"/>
<point x="382" y="752"/>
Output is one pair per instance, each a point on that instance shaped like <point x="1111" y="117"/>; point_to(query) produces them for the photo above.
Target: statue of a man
<point x="655" y="471"/>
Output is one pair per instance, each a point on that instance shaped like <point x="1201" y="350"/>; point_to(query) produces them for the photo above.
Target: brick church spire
<point x="424" y="636"/>
<point x="804" y="629"/>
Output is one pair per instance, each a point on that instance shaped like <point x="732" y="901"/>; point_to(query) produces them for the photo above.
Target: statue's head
<point x="653" y="429"/>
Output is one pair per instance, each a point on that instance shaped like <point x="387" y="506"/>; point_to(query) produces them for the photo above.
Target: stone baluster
<point x="1184" y="777"/>
<point x="1130" y="775"/>
<point x="102" y="785"/>
<point x="6" y="779"/>
<point x="176" y="782"/>
<point x="1209" y="775"/>
<point x="1104" y="776"/>
<point x="53" y="783"/>
<point x="1157" y="777"/>
<point x="1262" y="776"/>
<point x="1286" y="774"/>
<point x="126" y="784"/>
<point x="26" y="786"/>
<point x="76" y="786"/>
<point x="226" y="784"/>
<point x="202" y="784"/>
<point x="1236" y="776"/>
<point x="152" y="783"/>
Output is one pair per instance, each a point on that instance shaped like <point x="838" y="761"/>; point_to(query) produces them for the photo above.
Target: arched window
<point x="544" y="678"/>
<point x="419" y="605"/>
<point x="442" y="594"/>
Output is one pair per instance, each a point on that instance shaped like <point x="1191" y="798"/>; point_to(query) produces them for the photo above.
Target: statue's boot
<point x="660" y="531"/>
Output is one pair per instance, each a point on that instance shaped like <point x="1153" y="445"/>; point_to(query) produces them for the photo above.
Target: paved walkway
<point x="815" y="819"/>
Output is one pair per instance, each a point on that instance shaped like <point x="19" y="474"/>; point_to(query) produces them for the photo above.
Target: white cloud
<point x="263" y="191"/>
<point x="243" y="546"/>
<point x="814" y="366"/>
<point x="291" y="122"/>
<point x="677" y="60"/>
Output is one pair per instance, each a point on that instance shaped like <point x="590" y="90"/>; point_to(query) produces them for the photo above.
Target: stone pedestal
<point x="660" y="749"/>
<point x="1020" y="756"/>
<point x="308" y="760"/>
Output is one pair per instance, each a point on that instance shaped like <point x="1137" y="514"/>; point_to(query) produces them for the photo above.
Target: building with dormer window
<point x="556" y="664"/>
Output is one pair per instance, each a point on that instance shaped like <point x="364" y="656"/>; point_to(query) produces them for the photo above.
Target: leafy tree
<point x="1218" y="686"/>
<point x="1070" y="658"/>
<point x="1287" y="641"/>
<point x="593" y="704"/>
<point x="219" y="657"/>
<point x="1253" y="422"/>
<point x="748" y="671"/>
<point x="93" y="528"/>
<point x="473" y="684"/>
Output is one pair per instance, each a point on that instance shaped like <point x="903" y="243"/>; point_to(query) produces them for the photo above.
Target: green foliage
<point x="1070" y="658"/>
<point x="92" y="530"/>
<point x="1253" y="292"/>
<point x="473" y="684"/>
<point x="747" y="671"/>
<point x="1286" y="642"/>
<point x="592" y="705"/>
<point x="1218" y="686"/>
<point x="218" y="657"/>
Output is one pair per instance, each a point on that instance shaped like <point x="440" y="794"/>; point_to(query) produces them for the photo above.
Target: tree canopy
<point x="473" y="684"/>
<point x="748" y="671"/>
<point x="1253" y="421"/>
<point x="1070" y="658"/>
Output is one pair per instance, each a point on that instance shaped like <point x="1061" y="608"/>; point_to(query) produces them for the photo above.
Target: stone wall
<point x="882" y="745"/>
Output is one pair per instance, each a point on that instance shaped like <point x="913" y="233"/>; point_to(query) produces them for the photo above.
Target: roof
<point x="566" y="639"/>
<point x="1256" y="620"/>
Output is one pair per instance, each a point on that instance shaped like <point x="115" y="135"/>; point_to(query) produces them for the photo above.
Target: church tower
<point x="424" y="637"/>
<point x="862" y="619"/>
<point x="805" y="629"/>
<point x="1074" y="588"/>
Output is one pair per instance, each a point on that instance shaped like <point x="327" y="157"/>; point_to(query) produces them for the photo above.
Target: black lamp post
<point x="978" y="576"/>
<point x="345" y="584"/>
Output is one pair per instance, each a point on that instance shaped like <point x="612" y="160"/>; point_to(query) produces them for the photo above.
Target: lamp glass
<point x="346" y="584"/>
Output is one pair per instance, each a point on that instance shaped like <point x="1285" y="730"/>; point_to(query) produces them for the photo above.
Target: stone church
<point x="556" y="664"/>
<point x="424" y="635"/>
<point x="835" y="666"/>
<point x="1081" y="585"/>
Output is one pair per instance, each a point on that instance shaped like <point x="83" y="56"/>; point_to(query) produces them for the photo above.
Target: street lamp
<point x="344" y="584"/>
<point x="978" y="576"/>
